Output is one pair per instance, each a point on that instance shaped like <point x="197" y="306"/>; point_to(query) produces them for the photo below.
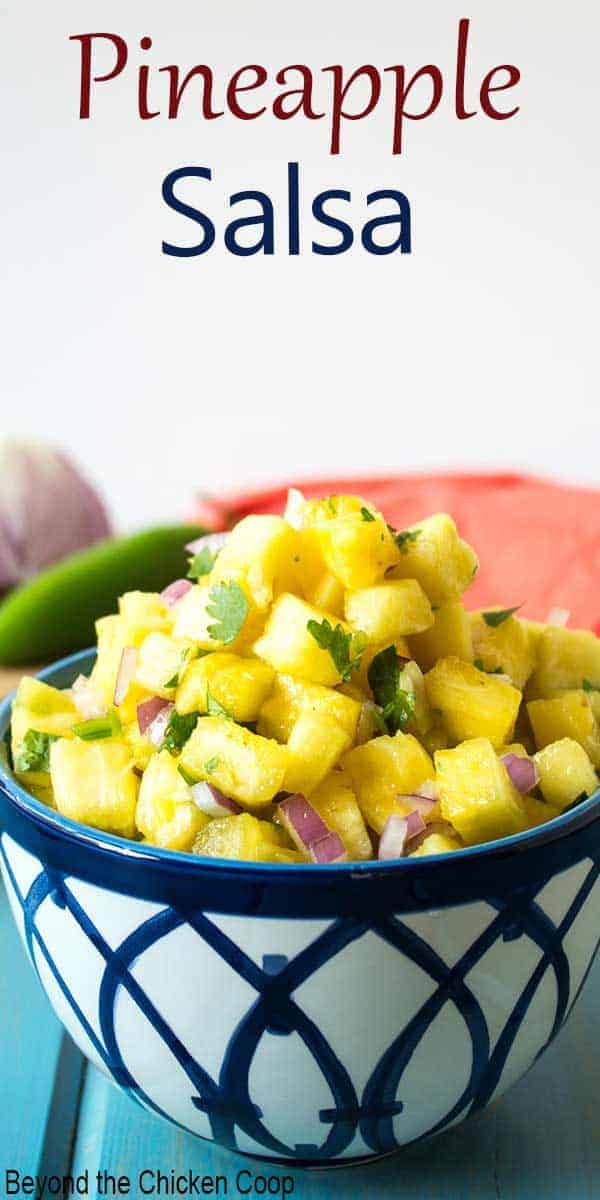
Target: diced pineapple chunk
<point x="143" y="613"/>
<point x="315" y="744"/>
<point x="357" y="549"/>
<point x="383" y="770"/>
<point x="569" y="715"/>
<point x="140" y="613"/>
<point x="433" y="553"/>
<point x="140" y="746"/>
<point x="261" y="552"/>
<point x="166" y="814"/>
<point x="243" y="765"/>
<point x="505" y="648"/>
<point x="537" y="812"/>
<point x="437" y="843"/>
<point x="566" y="773"/>
<point x="412" y="681"/>
<point x="245" y="837"/>
<point x="565" y="657"/>
<point x="94" y="782"/>
<point x="288" y="645"/>
<point x="160" y="662"/>
<point x="239" y="685"/>
<point x="336" y="803"/>
<point x="290" y="697"/>
<point x="448" y="637"/>
<point x="327" y="593"/>
<point x="44" y="709"/>
<point x="476" y="793"/>
<point x="388" y="611"/>
<point x="472" y="704"/>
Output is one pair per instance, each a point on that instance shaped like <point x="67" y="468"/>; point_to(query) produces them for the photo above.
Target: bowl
<point x="319" y="1015"/>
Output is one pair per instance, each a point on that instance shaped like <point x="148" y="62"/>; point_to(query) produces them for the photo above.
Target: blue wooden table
<point x="58" y="1115"/>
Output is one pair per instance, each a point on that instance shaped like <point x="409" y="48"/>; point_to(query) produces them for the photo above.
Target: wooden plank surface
<point x="540" y="1142"/>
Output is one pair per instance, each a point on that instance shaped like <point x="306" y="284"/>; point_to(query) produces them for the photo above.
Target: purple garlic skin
<point x="47" y="510"/>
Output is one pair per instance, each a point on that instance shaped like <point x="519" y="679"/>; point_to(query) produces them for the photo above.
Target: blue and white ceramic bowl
<point x="317" y="1014"/>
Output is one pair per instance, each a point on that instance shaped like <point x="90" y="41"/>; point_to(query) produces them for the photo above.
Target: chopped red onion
<point x="302" y="821"/>
<point x="523" y="771"/>
<point x="210" y="541"/>
<point x="414" y="824"/>
<point x="328" y="849"/>
<point x="399" y="833"/>
<point x="156" y="730"/>
<point x="393" y="838"/>
<point x="175" y="591"/>
<point x="125" y="674"/>
<point x="433" y="827"/>
<point x="212" y="802"/>
<point x="148" y="710"/>
<point x="418" y="803"/>
<point x="558" y="617"/>
<point x="293" y="508"/>
<point x="89" y="703"/>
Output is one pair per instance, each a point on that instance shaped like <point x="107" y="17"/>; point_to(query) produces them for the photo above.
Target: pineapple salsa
<point x="316" y="691"/>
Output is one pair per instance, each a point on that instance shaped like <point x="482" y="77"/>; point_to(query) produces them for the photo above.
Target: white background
<point x="165" y="376"/>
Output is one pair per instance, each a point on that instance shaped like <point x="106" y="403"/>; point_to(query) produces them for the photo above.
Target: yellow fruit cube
<point x="289" y="646"/>
<point x="239" y="685"/>
<point x="261" y="552"/>
<point x="569" y="715"/>
<point x="476" y="793"/>
<point x="336" y="803"/>
<point x="537" y="812"/>
<point x="160" y="662"/>
<point x="166" y="814"/>
<point x="433" y="553"/>
<point x="448" y="637"/>
<point x="143" y="613"/>
<point x="506" y="648"/>
<point x="382" y="771"/>
<point x="412" y="681"/>
<point x="243" y="765"/>
<point x="471" y="703"/>
<point x="565" y="657"/>
<point x="315" y="744"/>
<point x="353" y="539"/>
<point x="140" y="747"/>
<point x="327" y="593"/>
<point x="45" y="710"/>
<point x="94" y="783"/>
<point x="388" y="611"/>
<point x="111" y="635"/>
<point x="566" y="773"/>
<point x="290" y="697"/>
<point x="437" y="843"/>
<point x="245" y="838"/>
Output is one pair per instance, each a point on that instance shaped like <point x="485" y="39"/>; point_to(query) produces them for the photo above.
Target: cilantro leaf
<point x="493" y="619"/>
<point x="214" y="709"/>
<point x="405" y="537"/>
<point x="202" y="563"/>
<point x="229" y="606"/>
<point x="397" y="704"/>
<point x="590" y="687"/>
<point x="345" y="649"/>
<point x="211" y="765"/>
<point x="366" y="514"/>
<point x="35" y="752"/>
<point x="173" y="681"/>
<point x="495" y="671"/>
<point x="179" y="728"/>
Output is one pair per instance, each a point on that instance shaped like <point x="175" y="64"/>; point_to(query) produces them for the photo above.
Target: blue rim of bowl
<point x="436" y="880"/>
